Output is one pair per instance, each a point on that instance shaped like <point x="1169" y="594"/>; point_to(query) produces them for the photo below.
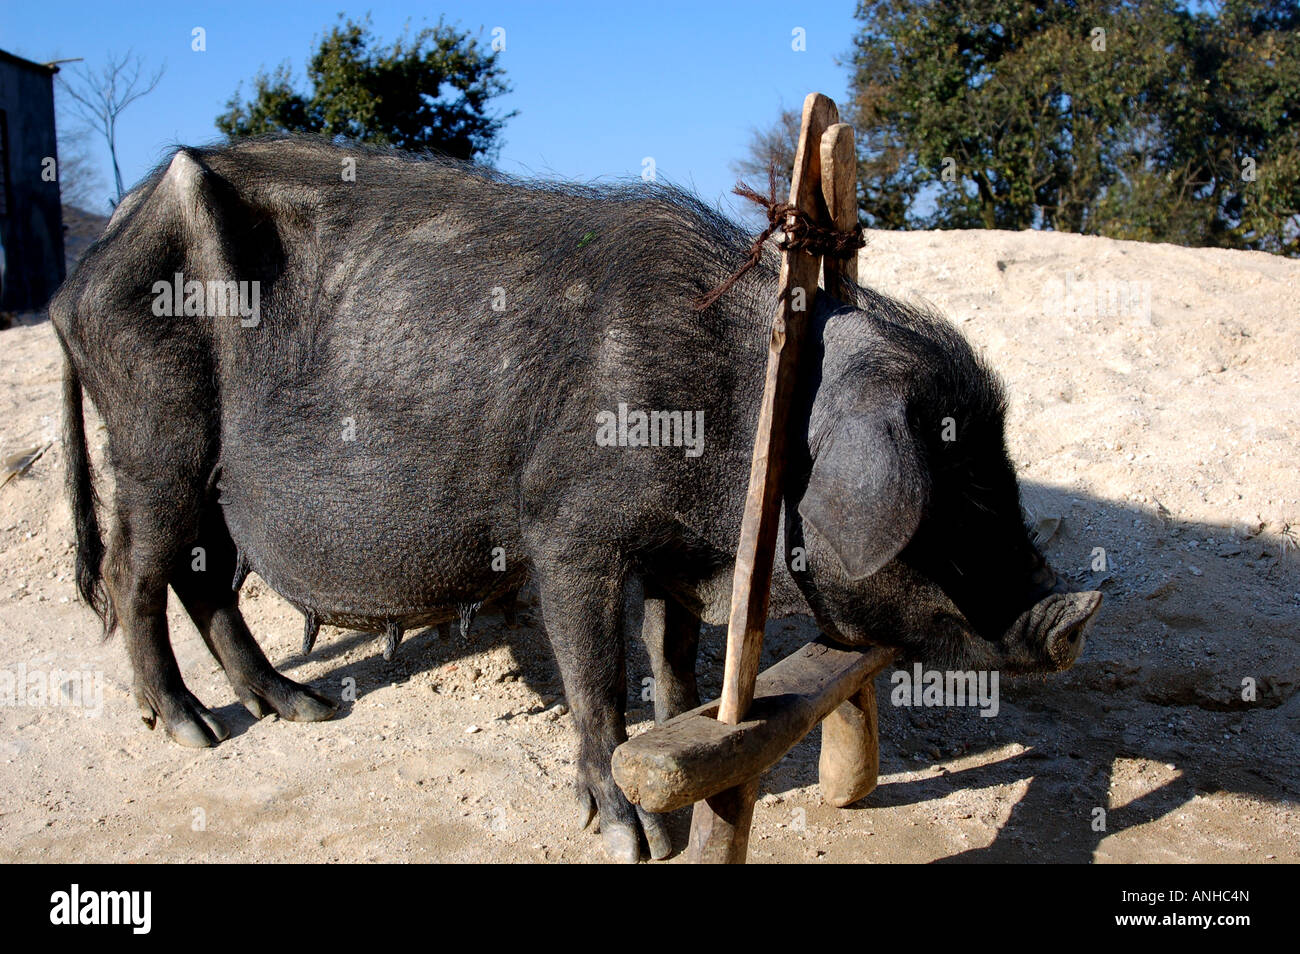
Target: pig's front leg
<point x="582" y="607"/>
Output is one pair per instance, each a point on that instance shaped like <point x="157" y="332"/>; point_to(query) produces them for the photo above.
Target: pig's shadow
<point x="1073" y="727"/>
<point x="420" y="651"/>
<point x="425" y="650"/>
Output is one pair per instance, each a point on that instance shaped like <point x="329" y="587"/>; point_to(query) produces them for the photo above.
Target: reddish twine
<point x="799" y="234"/>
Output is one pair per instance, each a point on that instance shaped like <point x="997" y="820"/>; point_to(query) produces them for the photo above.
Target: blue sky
<point x="597" y="86"/>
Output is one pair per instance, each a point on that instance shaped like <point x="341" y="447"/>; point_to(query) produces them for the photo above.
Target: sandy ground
<point x="1155" y="416"/>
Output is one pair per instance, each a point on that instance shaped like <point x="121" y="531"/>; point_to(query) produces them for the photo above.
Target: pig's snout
<point x="1070" y="616"/>
<point x="1049" y="636"/>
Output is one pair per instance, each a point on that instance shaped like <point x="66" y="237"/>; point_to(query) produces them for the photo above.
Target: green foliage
<point x="429" y="90"/>
<point x="1129" y="118"/>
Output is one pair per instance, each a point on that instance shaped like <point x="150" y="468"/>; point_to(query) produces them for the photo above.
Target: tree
<point x="1130" y="118"/>
<point x="771" y="148"/>
<point x="430" y="90"/>
<point x="100" y="97"/>
<point x="80" y="184"/>
<point x="1231" y="137"/>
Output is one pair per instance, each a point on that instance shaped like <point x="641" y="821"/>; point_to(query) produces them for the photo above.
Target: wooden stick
<point x="720" y="836"/>
<point x="840" y="190"/>
<point x="754" y="555"/>
<point x="850" y="754"/>
<point x="694" y="756"/>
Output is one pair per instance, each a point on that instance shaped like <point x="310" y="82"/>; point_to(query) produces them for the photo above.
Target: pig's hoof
<point x="308" y="706"/>
<point x="253" y="703"/>
<point x="586" y="807"/>
<point x="200" y="733"/>
<point x="287" y="699"/>
<point x="622" y="830"/>
<point x="621" y="843"/>
<point x="187" y="721"/>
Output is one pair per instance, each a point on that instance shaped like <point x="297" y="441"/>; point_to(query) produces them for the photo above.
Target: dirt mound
<point x="1154" y="421"/>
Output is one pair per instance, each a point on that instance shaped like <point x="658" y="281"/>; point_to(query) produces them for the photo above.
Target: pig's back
<point x="433" y="361"/>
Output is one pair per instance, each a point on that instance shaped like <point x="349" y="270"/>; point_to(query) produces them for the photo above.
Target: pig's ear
<point x="867" y="490"/>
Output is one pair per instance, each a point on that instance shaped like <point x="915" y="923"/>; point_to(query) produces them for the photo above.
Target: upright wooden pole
<point x="849" y="765"/>
<point x="839" y="184"/>
<point x="720" y="826"/>
<point x="850" y="753"/>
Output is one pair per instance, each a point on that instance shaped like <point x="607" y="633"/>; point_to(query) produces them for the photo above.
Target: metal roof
<point x="46" y="68"/>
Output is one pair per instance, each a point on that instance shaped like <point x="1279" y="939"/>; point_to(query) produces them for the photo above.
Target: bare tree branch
<point x="100" y="97"/>
<point x="771" y="147"/>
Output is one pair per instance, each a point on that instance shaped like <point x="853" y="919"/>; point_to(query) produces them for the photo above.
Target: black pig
<point x="403" y="395"/>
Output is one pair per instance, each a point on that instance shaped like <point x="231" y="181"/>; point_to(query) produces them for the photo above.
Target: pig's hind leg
<point x="672" y="640"/>
<point x="213" y="605"/>
<point x="151" y="522"/>
<point x="582" y="606"/>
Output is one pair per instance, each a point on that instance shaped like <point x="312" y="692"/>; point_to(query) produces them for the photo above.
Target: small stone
<point x="470" y="730"/>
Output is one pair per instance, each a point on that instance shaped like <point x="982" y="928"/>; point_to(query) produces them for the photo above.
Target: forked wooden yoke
<point x="714" y="755"/>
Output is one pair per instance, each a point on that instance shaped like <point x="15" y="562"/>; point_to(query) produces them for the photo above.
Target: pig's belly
<point x="363" y="550"/>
